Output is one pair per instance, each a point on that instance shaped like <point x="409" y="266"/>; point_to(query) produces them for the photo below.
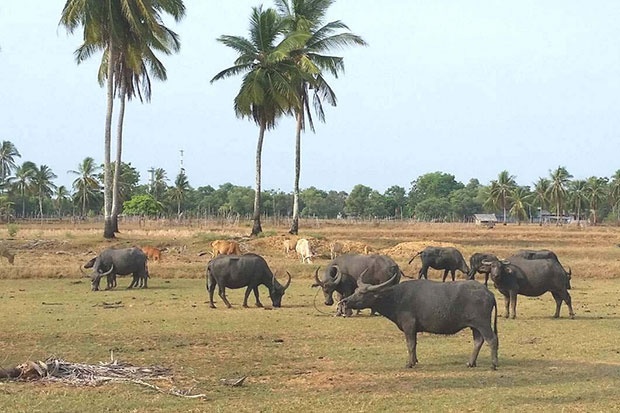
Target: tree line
<point x="28" y="190"/>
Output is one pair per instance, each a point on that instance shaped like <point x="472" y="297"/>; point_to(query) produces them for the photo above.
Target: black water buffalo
<point x="112" y="262"/>
<point x="238" y="271"/>
<point x="531" y="278"/>
<point x="476" y="265"/>
<point x="448" y="259"/>
<point x="433" y="307"/>
<point x="542" y="255"/>
<point x="342" y="273"/>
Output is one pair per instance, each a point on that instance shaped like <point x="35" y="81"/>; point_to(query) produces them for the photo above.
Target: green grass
<point x="298" y="359"/>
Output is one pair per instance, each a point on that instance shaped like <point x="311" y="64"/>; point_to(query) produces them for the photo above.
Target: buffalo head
<point x="332" y="280"/>
<point x="366" y="294"/>
<point x="277" y="290"/>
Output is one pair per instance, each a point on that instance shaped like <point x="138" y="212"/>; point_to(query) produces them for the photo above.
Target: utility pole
<point x="152" y="179"/>
<point x="182" y="171"/>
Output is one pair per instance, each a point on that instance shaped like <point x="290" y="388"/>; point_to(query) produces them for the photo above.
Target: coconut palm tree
<point x="308" y="16"/>
<point x="42" y="185"/>
<point x="614" y="193"/>
<point x="22" y="183"/>
<point x="578" y="195"/>
<point x="501" y="189"/>
<point x="158" y="185"/>
<point x="520" y="200"/>
<point x="178" y="191"/>
<point x="596" y="190"/>
<point x="541" y="188"/>
<point x="86" y="184"/>
<point x="558" y="189"/>
<point x="61" y="195"/>
<point x="8" y="153"/>
<point x="268" y="89"/>
<point x="116" y="27"/>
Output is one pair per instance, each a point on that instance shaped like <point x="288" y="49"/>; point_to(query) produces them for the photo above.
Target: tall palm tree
<point x="614" y="193"/>
<point x="308" y="16"/>
<point x="42" y="185"/>
<point x="158" y="185"/>
<point x="520" y="199"/>
<point x="115" y="27"/>
<point x="24" y="174"/>
<point x="60" y="197"/>
<point x="541" y="189"/>
<point x="596" y="190"/>
<point x="558" y="189"/>
<point x="86" y="184"/>
<point x="578" y="194"/>
<point x="501" y="189"/>
<point x="268" y="89"/>
<point x="178" y="191"/>
<point x="8" y="153"/>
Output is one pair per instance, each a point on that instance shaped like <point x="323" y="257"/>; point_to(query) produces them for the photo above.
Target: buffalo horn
<point x="108" y="272"/>
<point x="370" y="287"/>
<point x="338" y="276"/>
<point x="289" y="280"/>
<point x="316" y="277"/>
<point x="82" y="271"/>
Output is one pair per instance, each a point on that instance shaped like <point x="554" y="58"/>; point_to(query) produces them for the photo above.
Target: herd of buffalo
<point x="374" y="281"/>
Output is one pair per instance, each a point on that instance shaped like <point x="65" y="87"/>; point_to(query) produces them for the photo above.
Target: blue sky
<point x="468" y="88"/>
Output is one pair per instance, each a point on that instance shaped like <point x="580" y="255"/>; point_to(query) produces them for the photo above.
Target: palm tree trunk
<point x="117" y="169"/>
<point x="295" y="224"/>
<point x="84" y="201"/>
<point x="557" y="213"/>
<point x="108" y="228"/>
<point x="256" y="227"/>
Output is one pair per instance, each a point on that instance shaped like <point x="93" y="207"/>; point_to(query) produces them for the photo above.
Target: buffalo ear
<point x="509" y="270"/>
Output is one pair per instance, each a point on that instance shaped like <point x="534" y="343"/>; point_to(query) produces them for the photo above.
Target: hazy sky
<point x="465" y="87"/>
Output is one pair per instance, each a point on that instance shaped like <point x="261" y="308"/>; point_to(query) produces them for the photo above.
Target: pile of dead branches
<point x="77" y="374"/>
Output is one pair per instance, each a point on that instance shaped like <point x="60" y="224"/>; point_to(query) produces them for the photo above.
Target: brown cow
<point x="4" y="252"/>
<point x="225" y="247"/>
<point x="152" y="253"/>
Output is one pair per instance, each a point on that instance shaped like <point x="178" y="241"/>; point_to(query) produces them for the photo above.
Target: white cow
<point x="304" y="251"/>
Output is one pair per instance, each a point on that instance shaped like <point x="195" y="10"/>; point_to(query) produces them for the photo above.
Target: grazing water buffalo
<point x="476" y="265"/>
<point x="342" y="273"/>
<point x="112" y="262"/>
<point x="433" y="307"/>
<point x="238" y="271"/>
<point x="448" y="259"/>
<point x="531" y="278"/>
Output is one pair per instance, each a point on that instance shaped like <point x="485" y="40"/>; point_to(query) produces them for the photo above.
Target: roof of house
<point x="485" y="217"/>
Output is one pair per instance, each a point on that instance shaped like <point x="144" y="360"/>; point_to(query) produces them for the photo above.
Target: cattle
<point x="152" y="253"/>
<point x="476" y="265"/>
<point x="304" y="250"/>
<point x="287" y="246"/>
<point x="225" y="247"/>
<point x="543" y="254"/>
<point x="112" y="262"/>
<point x="342" y="273"/>
<point x="238" y="271"/>
<point x="432" y="307"/>
<point x="531" y="278"/>
<point x="10" y="256"/>
<point x="448" y="259"/>
<point x="335" y="249"/>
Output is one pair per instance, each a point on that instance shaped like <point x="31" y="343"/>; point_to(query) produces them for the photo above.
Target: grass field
<point x="300" y="357"/>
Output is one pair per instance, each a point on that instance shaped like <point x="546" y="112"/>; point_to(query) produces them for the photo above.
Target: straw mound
<point x="410" y="248"/>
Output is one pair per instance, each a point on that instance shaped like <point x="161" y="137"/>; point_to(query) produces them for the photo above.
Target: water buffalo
<point x="342" y="273"/>
<point x="433" y="307"/>
<point x="112" y="262"/>
<point x="541" y="255"/>
<point x="476" y="265"/>
<point x="531" y="278"/>
<point x="448" y="259"/>
<point x="238" y="271"/>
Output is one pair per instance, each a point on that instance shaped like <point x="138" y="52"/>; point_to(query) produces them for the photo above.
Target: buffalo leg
<point x="222" y="293"/>
<point x="491" y="338"/>
<point x="245" y="296"/>
<point x="513" y="303"/>
<point x="411" y="335"/>
<point x="478" y="341"/>
<point x="559" y="297"/>
<point x="445" y="275"/>
<point x="486" y="279"/>
<point x="453" y="272"/>
<point x="258" y="303"/>
<point x="211" y="288"/>
<point x="423" y="272"/>
<point x="507" y="305"/>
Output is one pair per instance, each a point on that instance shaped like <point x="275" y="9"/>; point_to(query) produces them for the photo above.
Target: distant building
<point x="487" y="220"/>
<point x="546" y="217"/>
